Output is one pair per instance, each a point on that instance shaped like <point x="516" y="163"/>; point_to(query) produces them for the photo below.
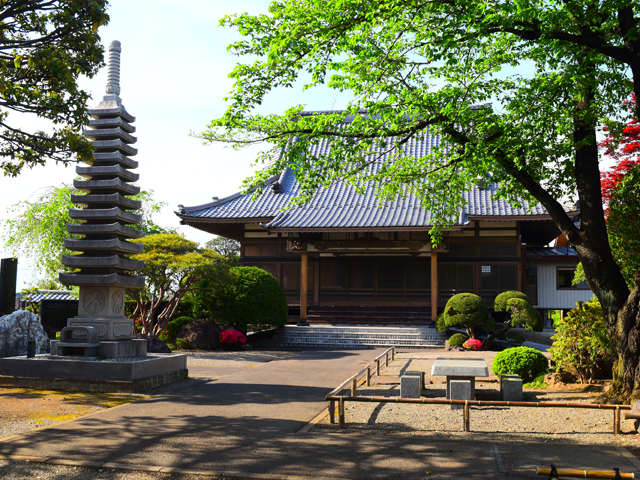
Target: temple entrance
<point x="375" y="280"/>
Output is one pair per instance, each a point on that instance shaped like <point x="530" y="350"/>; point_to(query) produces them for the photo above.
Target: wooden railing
<point x="354" y="379"/>
<point x="332" y="398"/>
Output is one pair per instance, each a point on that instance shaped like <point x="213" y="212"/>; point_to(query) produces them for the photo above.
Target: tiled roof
<point x="551" y="252"/>
<point x="48" y="295"/>
<point x="340" y="206"/>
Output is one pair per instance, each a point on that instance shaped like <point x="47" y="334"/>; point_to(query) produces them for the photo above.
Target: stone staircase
<point x="361" y="336"/>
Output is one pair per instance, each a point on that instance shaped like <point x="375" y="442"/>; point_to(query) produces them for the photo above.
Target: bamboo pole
<point x="368" y="375"/>
<point x="465" y="417"/>
<point x="341" y="412"/>
<point x="616" y="420"/>
<point x="567" y="472"/>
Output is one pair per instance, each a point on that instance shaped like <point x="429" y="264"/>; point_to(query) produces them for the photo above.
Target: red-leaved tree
<point x="621" y="196"/>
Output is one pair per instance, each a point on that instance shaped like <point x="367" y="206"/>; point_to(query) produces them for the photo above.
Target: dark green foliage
<point x="440" y="324"/>
<point x="489" y="324"/>
<point x="170" y="332"/>
<point x="514" y="338"/>
<point x="457" y="339"/>
<point x="45" y="47"/>
<point x="466" y="310"/>
<point x="526" y="362"/>
<point x="253" y="297"/>
<point x="500" y="303"/>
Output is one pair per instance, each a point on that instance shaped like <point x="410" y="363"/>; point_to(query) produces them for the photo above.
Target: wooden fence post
<point x="368" y="375"/>
<point x="393" y="353"/>
<point x="341" y="412"/>
<point x="386" y="358"/>
<point x="616" y="421"/>
<point x="465" y="416"/>
<point x="377" y="366"/>
<point x="354" y="387"/>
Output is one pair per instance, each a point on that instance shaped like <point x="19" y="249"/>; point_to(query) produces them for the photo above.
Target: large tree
<point x="414" y="66"/>
<point x="45" y="45"/>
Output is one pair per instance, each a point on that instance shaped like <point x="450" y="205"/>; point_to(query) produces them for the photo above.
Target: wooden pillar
<point x="434" y="286"/>
<point x="304" y="282"/>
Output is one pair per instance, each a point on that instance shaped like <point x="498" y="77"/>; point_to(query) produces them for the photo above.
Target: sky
<point x="173" y="78"/>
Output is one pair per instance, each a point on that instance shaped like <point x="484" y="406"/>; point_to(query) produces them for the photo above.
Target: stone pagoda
<point x="103" y="269"/>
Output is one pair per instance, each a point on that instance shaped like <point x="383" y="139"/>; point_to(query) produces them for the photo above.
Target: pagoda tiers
<point x="106" y="217"/>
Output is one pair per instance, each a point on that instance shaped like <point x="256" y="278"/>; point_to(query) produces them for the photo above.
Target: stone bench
<point x="511" y="388"/>
<point x="460" y="390"/>
<point x="86" y="347"/>
<point x="410" y="386"/>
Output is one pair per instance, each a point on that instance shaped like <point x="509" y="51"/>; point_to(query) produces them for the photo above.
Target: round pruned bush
<point x="501" y="302"/>
<point x="252" y="297"/>
<point x="457" y="339"/>
<point x="526" y="362"/>
<point x="467" y="310"/>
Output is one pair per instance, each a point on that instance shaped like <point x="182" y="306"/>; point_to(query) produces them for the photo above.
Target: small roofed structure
<point x="346" y="250"/>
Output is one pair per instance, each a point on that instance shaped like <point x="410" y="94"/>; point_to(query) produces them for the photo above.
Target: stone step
<point x="361" y="337"/>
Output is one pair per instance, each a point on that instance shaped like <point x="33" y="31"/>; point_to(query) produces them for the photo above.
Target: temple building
<point x="345" y="255"/>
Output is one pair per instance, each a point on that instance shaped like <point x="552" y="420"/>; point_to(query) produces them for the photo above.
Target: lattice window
<point x="498" y="250"/>
<point x="418" y="273"/>
<point x="361" y="273"/>
<point x="456" y="278"/>
<point x="489" y="278"/>
<point x="462" y="250"/>
<point x="508" y="279"/>
<point x="390" y="273"/>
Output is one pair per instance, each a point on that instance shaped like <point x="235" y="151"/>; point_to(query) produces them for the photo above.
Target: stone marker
<point x="512" y="389"/>
<point x="410" y="386"/>
<point x="460" y="390"/>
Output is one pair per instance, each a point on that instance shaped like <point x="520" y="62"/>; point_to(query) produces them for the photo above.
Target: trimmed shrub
<point x="500" y="304"/>
<point x="526" y="362"/>
<point x="252" y="297"/>
<point x="457" y="339"/>
<point x="466" y="310"/>
<point x="440" y="324"/>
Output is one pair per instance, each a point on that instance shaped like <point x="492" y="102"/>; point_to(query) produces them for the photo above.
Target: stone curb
<point x="159" y="469"/>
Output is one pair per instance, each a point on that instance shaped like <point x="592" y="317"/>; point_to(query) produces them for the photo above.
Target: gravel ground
<point x="493" y="423"/>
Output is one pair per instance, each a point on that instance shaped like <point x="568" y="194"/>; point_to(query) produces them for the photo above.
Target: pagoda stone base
<point x="117" y="349"/>
<point x="109" y="328"/>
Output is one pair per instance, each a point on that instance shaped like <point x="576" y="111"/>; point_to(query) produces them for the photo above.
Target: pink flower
<point x="472" y="344"/>
<point x="231" y="337"/>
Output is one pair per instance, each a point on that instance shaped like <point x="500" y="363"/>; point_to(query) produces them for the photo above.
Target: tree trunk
<point x="495" y="334"/>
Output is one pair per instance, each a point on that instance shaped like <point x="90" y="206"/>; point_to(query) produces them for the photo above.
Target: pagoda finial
<point x="113" y="75"/>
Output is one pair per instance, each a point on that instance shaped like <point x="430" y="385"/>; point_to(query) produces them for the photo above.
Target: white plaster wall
<point x="548" y="294"/>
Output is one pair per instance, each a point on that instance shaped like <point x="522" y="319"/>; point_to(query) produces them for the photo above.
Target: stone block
<point x="460" y="367"/>
<point x="506" y="376"/>
<point x="472" y="380"/>
<point x="410" y="386"/>
<point x="101" y="302"/>
<point x="109" y="329"/>
<point x="123" y="349"/>
<point x="416" y="373"/>
<point x="512" y="389"/>
<point x="459" y="390"/>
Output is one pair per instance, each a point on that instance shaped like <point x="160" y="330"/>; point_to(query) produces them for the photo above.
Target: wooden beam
<point x="304" y="282"/>
<point x="434" y="285"/>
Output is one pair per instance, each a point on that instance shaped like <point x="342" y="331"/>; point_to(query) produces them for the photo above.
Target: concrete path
<point x="246" y="422"/>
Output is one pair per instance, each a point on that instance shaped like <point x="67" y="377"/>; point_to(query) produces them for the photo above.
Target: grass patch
<point x="538" y="383"/>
